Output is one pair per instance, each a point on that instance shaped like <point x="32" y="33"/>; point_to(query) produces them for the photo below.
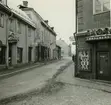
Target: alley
<point x="29" y="80"/>
<point x="68" y="90"/>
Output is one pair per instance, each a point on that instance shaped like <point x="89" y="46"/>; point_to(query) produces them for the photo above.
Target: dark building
<point x="93" y="37"/>
<point x="58" y="54"/>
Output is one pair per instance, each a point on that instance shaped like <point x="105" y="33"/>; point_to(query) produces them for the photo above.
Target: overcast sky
<point x="60" y="14"/>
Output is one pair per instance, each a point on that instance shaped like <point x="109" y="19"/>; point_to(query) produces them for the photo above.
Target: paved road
<point x="73" y="92"/>
<point x="29" y="80"/>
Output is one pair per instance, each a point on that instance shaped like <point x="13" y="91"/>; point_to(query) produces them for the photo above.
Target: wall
<point x="3" y="30"/>
<point x="91" y="21"/>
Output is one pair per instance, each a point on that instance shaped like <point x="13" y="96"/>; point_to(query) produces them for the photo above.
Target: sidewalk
<point x="20" y="85"/>
<point x="92" y="84"/>
<point x="18" y="69"/>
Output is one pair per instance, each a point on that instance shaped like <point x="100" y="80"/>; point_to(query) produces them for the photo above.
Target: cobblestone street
<point x="63" y="93"/>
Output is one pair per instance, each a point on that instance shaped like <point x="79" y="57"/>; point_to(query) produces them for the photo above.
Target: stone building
<point x="93" y="39"/>
<point x="45" y="35"/>
<point x="17" y="34"/>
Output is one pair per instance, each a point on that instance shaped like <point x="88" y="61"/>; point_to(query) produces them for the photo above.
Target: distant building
<point x="58" y="52"/>
<point x="93" y="37"/>
<point x="69" y="50"/>
<point x="64" y="47"/>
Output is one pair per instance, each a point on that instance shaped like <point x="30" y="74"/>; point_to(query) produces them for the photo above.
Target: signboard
<point x="98" y="37"/>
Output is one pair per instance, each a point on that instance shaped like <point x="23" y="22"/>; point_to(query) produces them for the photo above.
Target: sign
<point x="73" y="43"/>
<point x="71" y="38"/>
<point x="98" y="37"/>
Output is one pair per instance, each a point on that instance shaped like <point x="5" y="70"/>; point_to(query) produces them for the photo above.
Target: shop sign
<point x="98" y="37"/>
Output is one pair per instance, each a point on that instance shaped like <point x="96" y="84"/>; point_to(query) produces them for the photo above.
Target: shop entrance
<point x="103" y="70"/>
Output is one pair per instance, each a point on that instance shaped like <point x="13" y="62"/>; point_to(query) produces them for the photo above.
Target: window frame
<point x="29" y="33"/>
<point x="2" y="22"/>
<point x="18" y="28"/>
<point x="20" y="51"/>
<point x="94" y="8"/>
<point x="13" y="30"/>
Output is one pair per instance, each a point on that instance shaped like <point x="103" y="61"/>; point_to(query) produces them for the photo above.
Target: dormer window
<point x="101" y="6"/>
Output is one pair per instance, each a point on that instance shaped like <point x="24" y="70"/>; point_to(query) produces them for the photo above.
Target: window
<point x="80" y="20"/>
<point x="29" y="31"/>
<point x="19" y="55"/>
<point x="11" y="26"/>
<point x="1" y="20"/>
<point x="101" y="6"/>
<point x="18" y="27"/>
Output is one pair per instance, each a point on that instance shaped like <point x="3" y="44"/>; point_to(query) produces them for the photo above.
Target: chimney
<point x="46" y="21"/>
<point x="52" y="28"/>
<point x="25" y="3"/>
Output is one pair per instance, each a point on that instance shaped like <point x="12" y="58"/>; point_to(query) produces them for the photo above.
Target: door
<point x="103" y="71"/>
<point x="30" y="54"/>
<point x="10" y="54"/>
<point x="2" y="55"/>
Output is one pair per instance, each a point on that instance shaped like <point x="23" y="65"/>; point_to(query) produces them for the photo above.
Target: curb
<point x="35" y="91"/>
<point x="25" y="69"/>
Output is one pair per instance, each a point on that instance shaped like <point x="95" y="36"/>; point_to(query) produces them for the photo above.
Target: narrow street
<point x="29" y="80"/>
<point x="67" y="90"/>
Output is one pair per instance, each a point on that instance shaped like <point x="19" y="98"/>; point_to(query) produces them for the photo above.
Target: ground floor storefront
<point x="93" y="58"/>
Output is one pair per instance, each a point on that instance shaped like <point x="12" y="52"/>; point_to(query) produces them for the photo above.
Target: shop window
<point x="19" y="55"/>
<point x="101" y="6"/>
<point x="1" y="20"/>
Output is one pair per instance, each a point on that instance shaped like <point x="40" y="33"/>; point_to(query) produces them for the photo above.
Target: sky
<point x="60" y="14"/>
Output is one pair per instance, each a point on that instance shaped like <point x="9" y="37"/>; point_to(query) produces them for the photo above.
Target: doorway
<point x="103" y="70"/>
<point x="30" y="54"/>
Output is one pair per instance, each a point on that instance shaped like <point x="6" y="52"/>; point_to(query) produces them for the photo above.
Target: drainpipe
<point x="7" y="44"/>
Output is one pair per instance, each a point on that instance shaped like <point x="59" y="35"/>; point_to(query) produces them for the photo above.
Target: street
<point x="67" y="90"/>
<point x="29" y="80"/>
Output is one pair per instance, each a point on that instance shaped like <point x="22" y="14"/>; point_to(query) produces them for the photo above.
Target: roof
<point x="42" y="20"/>
<point x="21" y="14"/>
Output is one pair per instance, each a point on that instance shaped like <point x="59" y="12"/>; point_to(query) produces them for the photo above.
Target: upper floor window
<point x="11" y="25"/>
<point x="29" y="31"/>
<point x="1" y="20"/>
<point x="101" y="6"/>
<point x="18" y="27"/>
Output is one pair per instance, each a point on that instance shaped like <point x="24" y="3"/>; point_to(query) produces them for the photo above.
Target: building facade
<point x="93" y="39"/>
<point x="64" y="47"/>
<point x="17" y="36"/>
<point x="45" y="35"/>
